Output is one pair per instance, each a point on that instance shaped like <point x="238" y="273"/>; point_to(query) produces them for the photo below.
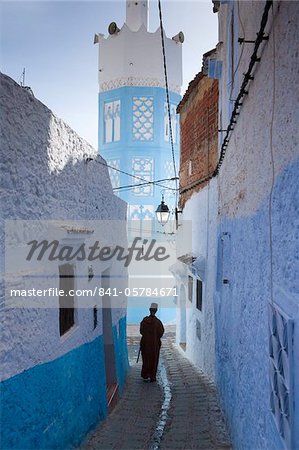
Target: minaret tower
<point x="133" y="115"/>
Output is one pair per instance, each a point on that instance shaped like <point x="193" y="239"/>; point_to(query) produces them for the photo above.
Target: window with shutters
<point x="66" y="302"/>
<point x="190" y="288"/>
<point x="199" y="294"/>
<point x="95" y="317"/>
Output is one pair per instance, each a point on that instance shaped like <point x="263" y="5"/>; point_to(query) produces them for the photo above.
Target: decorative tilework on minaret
<point x="133" y="118"/>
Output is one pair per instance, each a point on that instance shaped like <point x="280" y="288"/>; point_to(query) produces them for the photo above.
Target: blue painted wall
<point x="135" y="315"/>
<point x="241" y="314"/>
<point x="125" y="94"/>
<point x="121" y="352"/>
<point x="127" y="148"/>
<point x="54" y="405"/>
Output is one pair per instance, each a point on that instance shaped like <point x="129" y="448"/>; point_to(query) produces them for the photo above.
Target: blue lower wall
<point x="54" y="405"/>
<point x="138" y="308"/>
<point x="167" y="315"/>
<point x="121" y="353"/>
<point x="241" y="314"/>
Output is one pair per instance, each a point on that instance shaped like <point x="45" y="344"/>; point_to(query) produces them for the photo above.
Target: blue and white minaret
<point x="134" y="124"/>
<point x="133" y="116"/>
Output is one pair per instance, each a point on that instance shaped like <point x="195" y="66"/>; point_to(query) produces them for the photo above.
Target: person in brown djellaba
<point x="151" y="329"/>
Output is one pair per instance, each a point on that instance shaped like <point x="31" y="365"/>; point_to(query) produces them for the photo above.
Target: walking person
<point x="151" y="329"/>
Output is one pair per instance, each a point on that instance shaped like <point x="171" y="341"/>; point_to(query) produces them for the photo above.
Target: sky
<point x="53" y="40"/>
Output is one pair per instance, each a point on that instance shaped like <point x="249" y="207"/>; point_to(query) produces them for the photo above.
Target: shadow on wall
<point x="45" y="176"/>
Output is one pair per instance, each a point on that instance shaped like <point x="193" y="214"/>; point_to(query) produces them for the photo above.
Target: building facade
<point x="134" y="134"/>
<point x="257" y="317"/>
<point x="61" y="362"/>
<point x="198" y="111"/>
<point x="253" y="247"/>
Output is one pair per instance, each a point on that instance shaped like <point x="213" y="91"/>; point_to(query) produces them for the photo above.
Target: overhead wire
<point x="126" y="173"/>
<point x="146" y="184"/>
<point x="233" y="119"/>
<point x="167" y="93"/>
<point x="246" y="80"/>
<point x="156" y="182"/>
<point x="241" y="53"/>
<point x="272" y="160"/>
<point x="247" y="77"/>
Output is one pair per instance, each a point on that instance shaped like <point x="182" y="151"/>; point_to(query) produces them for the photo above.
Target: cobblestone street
<point x="180" y="411"/>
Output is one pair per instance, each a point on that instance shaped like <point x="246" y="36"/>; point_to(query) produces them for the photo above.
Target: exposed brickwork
<point x="199" y="133"/>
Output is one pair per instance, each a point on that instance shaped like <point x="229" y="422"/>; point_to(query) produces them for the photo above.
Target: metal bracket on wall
<point x="245" y="41"/>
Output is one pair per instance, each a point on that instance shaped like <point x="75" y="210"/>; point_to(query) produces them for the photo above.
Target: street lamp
<point x="162" y="212"/>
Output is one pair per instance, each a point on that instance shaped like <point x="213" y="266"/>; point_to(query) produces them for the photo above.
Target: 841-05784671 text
<point x="139" y="292"/>
<point x="97" y="291"/>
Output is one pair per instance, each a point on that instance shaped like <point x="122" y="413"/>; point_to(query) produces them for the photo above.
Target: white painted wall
<point x="134" y="58"/>
<point x="258" y="207"/>
<point x="271" y="107"/>
<point x="253" y="239"/>
<point x="44" y="176"/>
<point x="201" y="210"/>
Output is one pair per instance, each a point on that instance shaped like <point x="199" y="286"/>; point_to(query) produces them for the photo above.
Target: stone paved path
<point x="180" y="411"/>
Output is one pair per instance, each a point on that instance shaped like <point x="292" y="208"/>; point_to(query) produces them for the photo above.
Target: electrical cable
<point x="208" y="193"/>
<point x="272" y="160"/>
<point x="125" y="173"/>
<point x="241" y="54"/>
<point x="175" y="178"/>
<point x="239" y="101"/>
<point x="167" y="92"/>
<point x="145" y="184"/>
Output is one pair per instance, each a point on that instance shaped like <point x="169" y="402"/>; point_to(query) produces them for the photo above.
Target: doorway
<point x="109" y="351"/>
<point x="182" y="318"/>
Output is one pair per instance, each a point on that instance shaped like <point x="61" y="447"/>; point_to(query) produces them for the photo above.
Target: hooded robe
<point x="151" y="329"/>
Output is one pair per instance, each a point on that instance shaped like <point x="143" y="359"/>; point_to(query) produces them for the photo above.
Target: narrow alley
<point x="149" y="166"/>
<point x="180" y="411"/>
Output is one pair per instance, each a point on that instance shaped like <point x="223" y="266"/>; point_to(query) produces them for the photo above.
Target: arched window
<point x="112" y="121"/>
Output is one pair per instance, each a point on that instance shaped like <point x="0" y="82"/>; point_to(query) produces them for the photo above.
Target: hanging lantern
<point x="162" y="212"/>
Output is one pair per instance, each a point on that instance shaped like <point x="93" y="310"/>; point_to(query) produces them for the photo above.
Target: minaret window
<point x="143" y="216"/>
<point x="114" y="175"/>
<point x="174" y="123"/>
<point x="143" y="168"/>
<point x="143" y="118"/>
<point x="141" y="212"/>
<point x="168" y="169"/>
<point x="112" y="121"/>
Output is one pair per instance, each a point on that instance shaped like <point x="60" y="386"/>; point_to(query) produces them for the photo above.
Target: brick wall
<point x="199" y="134"/>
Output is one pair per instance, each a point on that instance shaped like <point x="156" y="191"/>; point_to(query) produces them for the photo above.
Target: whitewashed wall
<point x="44" y="176"/>
<point x="134" y="58"/>
<point x="201" y="210"/>
<point x="258" y="217"/>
